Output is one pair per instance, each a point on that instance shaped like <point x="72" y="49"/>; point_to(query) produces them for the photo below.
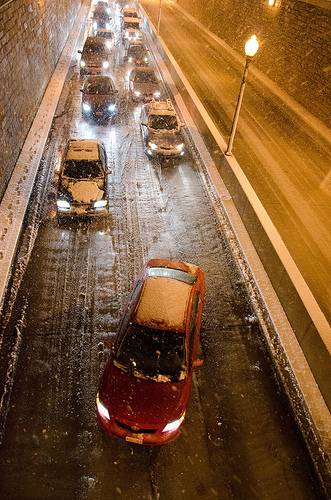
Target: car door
<point x="193" y="333"/>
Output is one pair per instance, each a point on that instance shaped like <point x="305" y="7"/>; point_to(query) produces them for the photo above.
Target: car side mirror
<point x="81" y="90"/>
<point x="79" y="51"/>
<point x="197" y="362"/>
<point x="108" y="172"/>
<point x="108" y="343"/>
<point x="182" y="124"/>
<point x="144" y="123"/>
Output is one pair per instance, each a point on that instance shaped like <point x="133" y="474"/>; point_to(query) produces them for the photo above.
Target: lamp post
<point x="250" y="49"/>
<point x="159" y="17"/>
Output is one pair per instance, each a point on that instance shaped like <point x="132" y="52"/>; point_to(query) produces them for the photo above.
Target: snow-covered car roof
<point x="129" y="10"/>
<point x="83" y="149"/>
<point x="163" y="303"/>
<point x="162" y="108"/>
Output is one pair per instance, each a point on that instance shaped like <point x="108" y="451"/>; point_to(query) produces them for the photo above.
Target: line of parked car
<point x="145" y="387"/>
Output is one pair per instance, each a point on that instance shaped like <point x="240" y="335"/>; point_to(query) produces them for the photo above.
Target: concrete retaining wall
<point x="32" y="36"/>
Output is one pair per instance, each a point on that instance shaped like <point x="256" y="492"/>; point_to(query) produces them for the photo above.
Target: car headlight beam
<point x="100" y="203"/>
<point x="102" y="410"/>
<point x="63" y="204"/>
<point x="173" y="426"/>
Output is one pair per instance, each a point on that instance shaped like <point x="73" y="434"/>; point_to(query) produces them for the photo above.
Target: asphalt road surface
<point x="239" y="440"/>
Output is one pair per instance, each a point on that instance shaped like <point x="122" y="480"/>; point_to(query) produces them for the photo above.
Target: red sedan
<point x="145" y="388"/>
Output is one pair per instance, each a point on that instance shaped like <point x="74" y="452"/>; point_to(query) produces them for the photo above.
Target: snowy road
<point x="239" y="440"/>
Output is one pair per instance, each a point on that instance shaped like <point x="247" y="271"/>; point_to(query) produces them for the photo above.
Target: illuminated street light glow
<point x="251" y="48"/>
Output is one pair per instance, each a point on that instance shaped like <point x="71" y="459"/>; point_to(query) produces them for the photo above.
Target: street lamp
<point x="250" y="49"/>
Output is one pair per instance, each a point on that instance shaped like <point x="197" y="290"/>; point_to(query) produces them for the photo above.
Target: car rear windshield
<point x="177" y="274"/>
<point x="82" y="169"/>
<point x="163" y="122"/>
<point x="150" y="353"/>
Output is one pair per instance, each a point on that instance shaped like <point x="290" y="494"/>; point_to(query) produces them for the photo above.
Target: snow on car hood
<point x="147" y="88"/>
<point x="166" y="138"/>
<point x="85" y="191"/>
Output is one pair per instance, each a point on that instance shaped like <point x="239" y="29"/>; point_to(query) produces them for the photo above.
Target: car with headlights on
<point x="108" y="37"/>
<point x="102" y="5"/>
<point x="144" y="84"/>
<point x="161" y="129"/>
<point x="83" y="186"/>
<point x="131" y="29"/>
<point x="94" y="56"/>
<point x="145" y="387"/>
<point x="137" y="53"/>
<point x="100" y="19"/>
<point x="99" y="97"/>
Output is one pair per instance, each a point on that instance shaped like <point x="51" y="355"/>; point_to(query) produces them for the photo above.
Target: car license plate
<point x="134" y="439"/>
<point x="80" y="210"/>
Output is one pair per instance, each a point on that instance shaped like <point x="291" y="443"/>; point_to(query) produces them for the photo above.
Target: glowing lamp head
<point x="251" y="46"/>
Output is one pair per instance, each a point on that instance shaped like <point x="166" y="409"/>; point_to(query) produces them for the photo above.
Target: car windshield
<point x="82" y="169"/>
<point x="145" y="77"/>
<point x="101" y="88"/>
<point x="101" y="15"/>
<point x="94" y="49"/>
<point x="105" y="34"/>
<point x="161" y="122"/>
<point x="176" y="274"/>
<point x="131" y="24"/>
<point x="136" y="50"/>
<point x="150" y="353"/>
